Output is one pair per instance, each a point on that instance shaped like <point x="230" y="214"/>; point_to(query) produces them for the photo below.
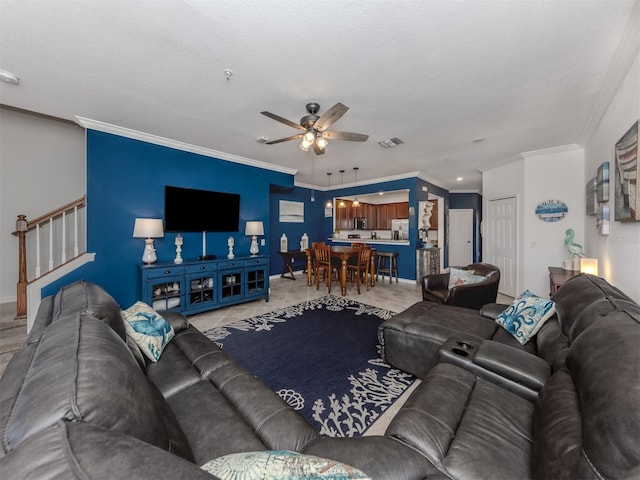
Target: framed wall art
<point x="603" y="182"/>
<point x="627" y="170"/>
<point x="291" y="212"/>
<point x="551" y="210"/>
<point x="602" y="222"/>
<point x="591" y="197"/>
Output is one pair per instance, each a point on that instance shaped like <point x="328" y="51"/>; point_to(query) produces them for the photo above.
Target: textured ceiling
<point x="522" y="74"/>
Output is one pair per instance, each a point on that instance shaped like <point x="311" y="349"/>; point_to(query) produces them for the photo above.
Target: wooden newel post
<point x="21" y="233"/>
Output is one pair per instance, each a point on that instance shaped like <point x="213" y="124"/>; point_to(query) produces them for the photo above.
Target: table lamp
<point x="589" y="265"/>
<point x="148" y="228"/>
<point x="254" y="229"/>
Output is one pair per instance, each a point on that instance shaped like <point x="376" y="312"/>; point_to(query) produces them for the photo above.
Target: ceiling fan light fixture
<point x="304" y="146"/>
<point x="309" y="137"/>
<point x="322" y="142"/>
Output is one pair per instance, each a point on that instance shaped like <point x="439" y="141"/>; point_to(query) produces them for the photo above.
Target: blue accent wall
<point x="471" y="201"/>
<point x="126" y="179"/>
<point x="312" y="226"/>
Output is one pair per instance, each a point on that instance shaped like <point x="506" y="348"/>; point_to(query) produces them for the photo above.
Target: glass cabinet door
<point x="166" y="293"/>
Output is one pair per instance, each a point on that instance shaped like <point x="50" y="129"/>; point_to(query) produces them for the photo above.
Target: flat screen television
<point x="192" y="210"/>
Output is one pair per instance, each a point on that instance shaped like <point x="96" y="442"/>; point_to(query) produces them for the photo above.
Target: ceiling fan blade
<point x="317" y="149"/>
<point x="278" y="118"/>
<point x="331" y="116"/>
<point x="286" y="139"/>
<point x="354" y="137"/>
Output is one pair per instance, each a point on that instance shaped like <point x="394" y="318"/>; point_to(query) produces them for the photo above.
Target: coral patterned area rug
<point x="321" y="357"/>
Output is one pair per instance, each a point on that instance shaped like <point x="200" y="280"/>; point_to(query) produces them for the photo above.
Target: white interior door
<point x="460" y="237"/>
<point x="500" y="239"/>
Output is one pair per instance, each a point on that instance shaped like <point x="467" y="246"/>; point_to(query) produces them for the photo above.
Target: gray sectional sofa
<point x="75" y="402"/>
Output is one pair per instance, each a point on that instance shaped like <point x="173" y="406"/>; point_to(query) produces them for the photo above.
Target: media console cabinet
<point x="199" y="285"/>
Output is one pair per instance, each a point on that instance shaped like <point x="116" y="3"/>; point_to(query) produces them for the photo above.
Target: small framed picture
<point x="603" y="182"/>
<point x="592" y="199"/>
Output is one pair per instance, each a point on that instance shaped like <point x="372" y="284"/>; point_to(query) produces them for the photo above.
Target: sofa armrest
<point x="519" y="372"/>
<point x="517" y="365"/>
<point x="176" y="319"/>
<point x="434" y="283"/>
<point x="492" y="310"/>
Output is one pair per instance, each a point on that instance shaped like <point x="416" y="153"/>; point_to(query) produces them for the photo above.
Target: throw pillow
<point x="526" y="315"/>
<point x="279" y="465"/>
<point x="149" y="330"/>
<point x="459" y="276"/>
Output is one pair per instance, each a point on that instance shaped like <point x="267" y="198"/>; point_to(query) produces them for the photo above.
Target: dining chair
<point x="324" y="264"/>
<point x="360" y="269"/>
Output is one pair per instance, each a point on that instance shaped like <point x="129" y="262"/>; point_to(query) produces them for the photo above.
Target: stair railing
<point x="63" y="229"/>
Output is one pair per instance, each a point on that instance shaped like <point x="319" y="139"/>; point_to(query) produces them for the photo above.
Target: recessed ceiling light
<point x="478" y="139"/>
<point x="262" y="139"/>
<point x="459" y="179"/>
<point x="9" y="77"/>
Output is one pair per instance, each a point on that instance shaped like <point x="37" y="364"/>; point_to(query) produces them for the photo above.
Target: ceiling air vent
<point x="391" y="142"/>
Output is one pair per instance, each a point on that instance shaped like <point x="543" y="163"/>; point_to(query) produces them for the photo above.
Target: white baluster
<point x="63" y="256"/>
<point x="50" y="244"/>
<point x="75" y="231"/>
<point x="37" y="250"/>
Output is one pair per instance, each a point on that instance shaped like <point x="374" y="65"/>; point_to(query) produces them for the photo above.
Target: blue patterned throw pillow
<point x="279" y="465"/>
<point x="148" y="329"/>
<point x="526" y="315"/>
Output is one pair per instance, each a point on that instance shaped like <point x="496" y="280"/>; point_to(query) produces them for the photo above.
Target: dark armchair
<point x="435" y="288"/>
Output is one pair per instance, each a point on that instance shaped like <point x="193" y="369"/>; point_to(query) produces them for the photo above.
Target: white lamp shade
<point x="589" y="265"/>
<point x="148" y="228"/>
<point x="254" y="228"/>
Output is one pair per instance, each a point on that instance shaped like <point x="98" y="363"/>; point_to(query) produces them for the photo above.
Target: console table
<point x="289" y="259"/>
<point x="196" y="286"/>
<point x="557" y="277"/>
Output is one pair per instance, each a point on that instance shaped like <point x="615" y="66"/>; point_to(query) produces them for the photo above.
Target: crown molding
<point x="99" y="126"/>
<point x="549" y="151"/>
<point x="371" y="181"/>
<point x="626" y="53"/>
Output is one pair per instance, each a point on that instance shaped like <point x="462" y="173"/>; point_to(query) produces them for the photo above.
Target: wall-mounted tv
<point x="192" y="210"/>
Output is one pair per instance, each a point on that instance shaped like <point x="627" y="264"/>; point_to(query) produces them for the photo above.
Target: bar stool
<point x="390" y="268"/>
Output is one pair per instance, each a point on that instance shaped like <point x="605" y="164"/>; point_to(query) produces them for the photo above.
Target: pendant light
<point x="341" y="204"/>
<point x="329" y="203"/>
<point x="356" y="203"/>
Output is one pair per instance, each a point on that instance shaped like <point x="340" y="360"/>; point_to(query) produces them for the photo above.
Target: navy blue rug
<point x="321" y="357"/>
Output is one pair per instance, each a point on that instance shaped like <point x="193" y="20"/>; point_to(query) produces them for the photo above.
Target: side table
<point x="557" y="277"/>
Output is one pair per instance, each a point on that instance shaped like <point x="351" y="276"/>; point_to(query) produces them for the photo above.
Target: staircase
<point x="49" y="247"/>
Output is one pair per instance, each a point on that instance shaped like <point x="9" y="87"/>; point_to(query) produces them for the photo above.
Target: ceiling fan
<point x="314" y="128"/>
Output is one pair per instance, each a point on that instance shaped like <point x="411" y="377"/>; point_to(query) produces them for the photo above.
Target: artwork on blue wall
<point x="291" y="212"/>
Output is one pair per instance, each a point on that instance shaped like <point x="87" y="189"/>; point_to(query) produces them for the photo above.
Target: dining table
<point x="344" y="253"/>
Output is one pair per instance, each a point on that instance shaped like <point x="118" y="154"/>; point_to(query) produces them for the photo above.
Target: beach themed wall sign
<point x="627" y="168"/>
<point x="551" y="210"/>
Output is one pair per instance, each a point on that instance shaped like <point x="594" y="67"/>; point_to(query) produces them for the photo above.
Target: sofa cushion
<point x="69" y="450"/>
<point x="587" y="424"/>
<point x="83" y="296"/>
<point x="148" y="328"/>
<point x="81" y="371"/>
<point x="525" y="316"/>
<point x="411" y="340"/>
<point x="279" y="464"/>
<point x="468" y="428"/>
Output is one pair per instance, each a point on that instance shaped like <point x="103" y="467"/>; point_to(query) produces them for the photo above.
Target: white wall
<point x="619" y="252"/>
<point x="552" y="174"/>
<point x="42" y="167"/>
<point x="533" y="177"/>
